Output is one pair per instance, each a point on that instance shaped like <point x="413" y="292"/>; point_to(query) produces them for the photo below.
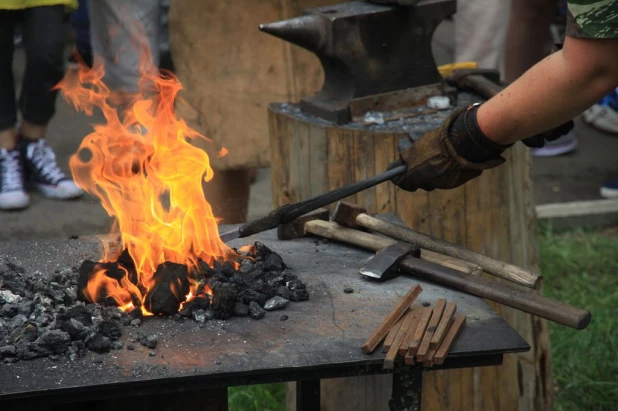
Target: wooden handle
<point x="528" y="301"/>
<point x="500" y="269"/>
<point x="361" y="239"/>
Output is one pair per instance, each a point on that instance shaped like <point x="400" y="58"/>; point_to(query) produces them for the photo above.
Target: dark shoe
<point x="610" y="189"/>
<point x="43" y="172"/>
<point x="12" y="194"/>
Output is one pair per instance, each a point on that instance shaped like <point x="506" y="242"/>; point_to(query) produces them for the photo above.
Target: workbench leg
<point x="308" y="395"/>
<point x="407" y="387"/>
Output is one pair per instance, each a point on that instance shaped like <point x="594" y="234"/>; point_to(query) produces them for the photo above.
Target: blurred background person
<point x="80" y="23"/>
<point x="24" y="153"/>
<point x="120" y="32"/>
<point x="480" y="32"/>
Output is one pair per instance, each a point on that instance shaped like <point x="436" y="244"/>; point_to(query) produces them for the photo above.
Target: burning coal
<point x="148" y="176"/>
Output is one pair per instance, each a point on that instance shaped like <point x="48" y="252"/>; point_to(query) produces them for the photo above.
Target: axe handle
<point x="375" y="243"/>
<point x="478" y="83"/>
<point x="528" y="301"/>
<point x="492" y="266"/>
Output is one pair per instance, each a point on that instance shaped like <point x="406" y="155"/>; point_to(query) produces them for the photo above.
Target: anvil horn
<point x="306" y="31"/>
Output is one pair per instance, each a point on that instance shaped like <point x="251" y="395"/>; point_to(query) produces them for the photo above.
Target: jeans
<point x="120" y="31"/>
<point x="43" y="36"/>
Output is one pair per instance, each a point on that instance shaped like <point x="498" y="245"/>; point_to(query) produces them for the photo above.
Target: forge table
<point x="194" y="364"/>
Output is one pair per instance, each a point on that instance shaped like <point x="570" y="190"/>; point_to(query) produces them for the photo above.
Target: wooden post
<point x="493" y="215"/>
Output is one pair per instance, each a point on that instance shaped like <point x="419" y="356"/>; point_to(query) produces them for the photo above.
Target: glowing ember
<point x="142" y="167"/>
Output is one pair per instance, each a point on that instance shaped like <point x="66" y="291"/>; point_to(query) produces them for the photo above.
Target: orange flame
<point x="142" y="167"/>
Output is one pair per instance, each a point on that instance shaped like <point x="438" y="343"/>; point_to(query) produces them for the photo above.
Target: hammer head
<point x="383" y="265"/>
<point x="296" y="228"/>
<point x="345" y="214"/>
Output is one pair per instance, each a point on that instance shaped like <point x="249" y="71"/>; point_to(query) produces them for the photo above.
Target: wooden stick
<point x="389" y="360"/>
<point x="431" y="328"/>
<point x="515" y="297"/>
<point x="391" y="335"/>
<point x="449" y="340"/>
<point x="407" y="338"/>
<point x="443" y="326"/>
<point x="418" y="334"/>
<point x="429" y="358"/>
<point x="378" y="335"/>
<point x="500" y="269"/>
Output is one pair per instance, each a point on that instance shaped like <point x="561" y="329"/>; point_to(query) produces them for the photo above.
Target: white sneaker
<point x="12" y="194"/>
<point x="43" y="172"/>
<point x="602" y="117"/>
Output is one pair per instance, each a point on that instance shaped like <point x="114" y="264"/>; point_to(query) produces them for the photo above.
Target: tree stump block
<point x="493" y="214"/>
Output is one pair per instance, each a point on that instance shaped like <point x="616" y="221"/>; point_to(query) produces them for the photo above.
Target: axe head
<point x="383" y="265"/>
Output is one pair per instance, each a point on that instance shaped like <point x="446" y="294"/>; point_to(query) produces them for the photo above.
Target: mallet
<point x="351" y="215"/>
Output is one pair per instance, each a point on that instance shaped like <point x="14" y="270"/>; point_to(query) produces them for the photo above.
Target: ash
<point x="50" y="317"/>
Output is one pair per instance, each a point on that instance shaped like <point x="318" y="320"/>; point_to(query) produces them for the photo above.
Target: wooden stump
<point x="230" y="71"/>
<point x="493" y="214"/>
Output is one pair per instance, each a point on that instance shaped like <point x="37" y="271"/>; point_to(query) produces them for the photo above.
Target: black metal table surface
<point x="321" y="338"/>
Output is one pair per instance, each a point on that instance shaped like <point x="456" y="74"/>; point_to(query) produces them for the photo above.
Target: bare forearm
<point x="552" y="92"/>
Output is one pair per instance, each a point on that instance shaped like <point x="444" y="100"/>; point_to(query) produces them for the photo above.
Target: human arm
<point x="552" y="92"/>
<point x="549" y="94"/>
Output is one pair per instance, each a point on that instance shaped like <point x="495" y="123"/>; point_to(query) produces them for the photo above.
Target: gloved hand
<point x="555" y="133"/>
<point x="397" y="2"/>
<point x="450" y="155"/>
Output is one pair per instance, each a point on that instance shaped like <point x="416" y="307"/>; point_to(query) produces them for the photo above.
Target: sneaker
<point x="43" y="172"/>
<point x="610" y="189"/>
<point x="602" y="117"/>
<point x="12" y="194"/>
<point x="563" y="145"/>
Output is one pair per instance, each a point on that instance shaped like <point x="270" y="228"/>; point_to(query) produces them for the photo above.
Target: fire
<point x="148" y="176"/>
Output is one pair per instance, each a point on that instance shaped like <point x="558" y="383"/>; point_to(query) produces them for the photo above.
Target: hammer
<point x="353" y="216"/>
<point x="528" y="301"/>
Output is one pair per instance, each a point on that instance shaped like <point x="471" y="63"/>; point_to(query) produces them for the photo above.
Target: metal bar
<point x="307" y="395"/>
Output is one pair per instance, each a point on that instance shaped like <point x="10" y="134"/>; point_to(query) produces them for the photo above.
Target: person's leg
<point x="480" y="32"/>
<point x="81" y="27"/>
<point x="8" y="109"/>
<point x="44" y="45"/>
<point x="12" y="194"/>
<point x="120" y="33"/>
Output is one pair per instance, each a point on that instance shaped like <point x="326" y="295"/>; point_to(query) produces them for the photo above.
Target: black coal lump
<point x="110" y="329"/>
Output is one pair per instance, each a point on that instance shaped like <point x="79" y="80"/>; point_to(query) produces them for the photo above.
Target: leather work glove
<point x="555" y="133"/>
<point x="450" y="155"/>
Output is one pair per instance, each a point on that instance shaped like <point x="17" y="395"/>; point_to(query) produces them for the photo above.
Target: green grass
<point x="581" y="268"/>
<point x="267" y="397"/>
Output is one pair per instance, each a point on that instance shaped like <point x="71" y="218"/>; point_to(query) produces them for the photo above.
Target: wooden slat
<point x="407" y="339"/>
<point x="443" y="326"/>
<point x="380" y="333"/>
<point x="384" y="147"/>
<point x="318" y="153"/>
<point x="391" y="335"/>
<point x="431" y="328"/>
<point x="429" y="358"/>
<point x="340" y="159"/>
<point x="418" y="335"/>
<point x="446" y="345"/>
<point x="364" y="167"/>
<point x="389" y="361"/>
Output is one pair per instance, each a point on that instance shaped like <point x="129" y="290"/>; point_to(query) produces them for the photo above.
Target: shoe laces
<point x="44" y="161"/>
<point x="11" y="173"/>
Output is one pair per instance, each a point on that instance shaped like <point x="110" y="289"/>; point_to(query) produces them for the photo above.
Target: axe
<point x="530" y="301"/>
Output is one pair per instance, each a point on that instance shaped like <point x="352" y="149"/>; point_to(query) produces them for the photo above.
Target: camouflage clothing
<point x="593" y="19"/>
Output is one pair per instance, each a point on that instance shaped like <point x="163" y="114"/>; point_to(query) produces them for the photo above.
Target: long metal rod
<point x="289" y="212"/>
